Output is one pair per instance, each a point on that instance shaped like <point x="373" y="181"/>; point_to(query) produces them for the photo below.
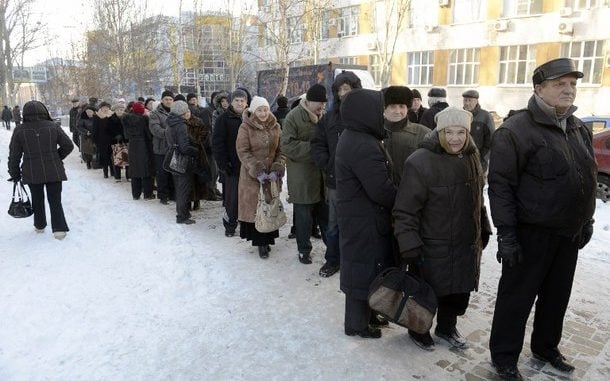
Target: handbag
<point x="270" y="216"/>
<point x="404" y="299"/>
<point x="20" y="207"/>
<point x="120" y="155"/>
<point x="175" y="162"/>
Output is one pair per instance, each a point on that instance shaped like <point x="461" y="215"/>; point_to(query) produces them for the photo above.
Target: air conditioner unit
<point x="332" y="22"/>
<point x="372" y="45"/>
<point x="443" y="3"/>
<point x="340" y="34"/>
<point x="566" y="12"/>
<point x="501" y="25"/>
<point x="566" y="27"/>
<point x="430" y="28"/>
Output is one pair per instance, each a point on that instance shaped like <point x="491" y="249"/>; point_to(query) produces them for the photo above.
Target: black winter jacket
<point x="427" y="118"/>
<point x="178" y="135"/>
<point x="540" y="175"/>
<point x="365" y="193"/>
<point x="324" y="144"/>
<point x="138" y="134"/>
<point x="415" y="117"/>
<point x="223" y="142"/>
<point x="480" y="129"/>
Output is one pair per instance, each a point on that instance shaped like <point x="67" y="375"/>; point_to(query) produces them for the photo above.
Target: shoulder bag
<point x="20" y="206"/>
<point x="270" y="215"/>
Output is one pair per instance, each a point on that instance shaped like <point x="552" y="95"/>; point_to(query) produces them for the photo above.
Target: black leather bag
<point x="403" y="298"/>
<point x="175" y="162"/>
<point x="20" y="207"/>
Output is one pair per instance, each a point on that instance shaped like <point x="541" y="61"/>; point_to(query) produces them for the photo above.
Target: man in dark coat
<point x="323" y="147"/>
<point x="157" y="122"/>
<point x="437" y="100"/>
<point x="7" y="116"/>
<point x="365" y="196"/>
<point x="205" y="115"/>
<point x="416" y="111"/>
<point x="542" y="183"/>
<point x="17" y="115"/>
<point x="74" y="114"/>
<point x="102" y="136"/>
<point x="223" y="148"/>
<point x="282" y="109"/>
<point x="43" y="145"/>
<point x="482" y="125"/>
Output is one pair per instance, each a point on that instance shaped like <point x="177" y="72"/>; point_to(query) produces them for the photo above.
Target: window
<point x="375" y="68"/>
<point x="589" y="57"/>
<point x="464" y="67"/>
<point x="295" y="30"/>
<point x="325" y="26"/>
<point x="468" y="10"/>
<point x="584" y="4"/>
<point x="513" y="8"/>
<point x="348" y="60"/>
<point x="517" y="63"/>
<point x="421" y="13"/>
<point x="347" y="22"/>
<point x="420" y="68"/>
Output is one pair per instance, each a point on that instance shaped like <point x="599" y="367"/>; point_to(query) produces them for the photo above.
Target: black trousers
<point x="449" y="308"/>
<point x="303" y="217"/>
<point x="7" y="124"/>
<point x="357" y="314"/>
<point x="546" y="274"/>
<point x="230" y="191"/>
<point x="183" y="196"/>
<point x="164" y="179"/>
<point x="58" y="220"/>
<point x="139" y="185"/>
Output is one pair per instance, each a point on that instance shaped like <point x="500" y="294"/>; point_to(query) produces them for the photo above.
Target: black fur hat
<point x="397" y="95"/>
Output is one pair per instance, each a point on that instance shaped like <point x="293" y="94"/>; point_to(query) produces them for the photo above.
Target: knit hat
<point x="190" y="96"/>
<point x="148" y="100"/>
<point x="257" y="102"/>
<point x="138" y="108"/>
<point x="238" y="93"/>
<point x="167" y="93"/>
<point x="316" y="93"/>
<point x="282" y="101"/>
<point x="397" y="95"/>
<point x="453" y="117"/>
<point x="104" y="104"/>
<point x="179" y="97"/>
<point x="179" y="108"/>
<point x="416" y="94"/>
<point x="471" y="94"/>
<point x="117" y="106"/>
<point x="437" y="92"/>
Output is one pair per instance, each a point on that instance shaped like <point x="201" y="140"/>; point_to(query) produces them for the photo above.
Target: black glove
<point x="409" y="258"/>
<point x="18" y="178"/>
<point x="585" y="234"/>
<point x="509" y="250"/>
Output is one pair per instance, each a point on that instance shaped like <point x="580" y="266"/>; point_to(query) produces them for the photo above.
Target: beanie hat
<point x="471" y="94"/>
<point x="316" y="93"/>
<point x="117" y="106"/>
<point x="148" y="100"/>
<point x="190" y="96"/>
<point x="257" y="102"/>
<point x="416" y="94"/>
<point x="179" y="108"/>
<point x="282" y="101"/>
<point x="179" y="97"/>
<point x="437" y="92"/>
<point x="141" y="99"/>
<point x="104" y="104"/>
<point x="238" y="93"/>
<point x="167" y="93"/>
<point x="397" y="95"/>
<point x="451" y="117"/>
<point x="137" y="108"/>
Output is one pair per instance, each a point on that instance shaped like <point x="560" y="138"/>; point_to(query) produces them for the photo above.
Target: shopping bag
<point x="20" y="206"/>
<point x="270" y="214"/>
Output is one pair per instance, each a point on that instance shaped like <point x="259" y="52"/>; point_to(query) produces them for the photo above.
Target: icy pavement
<point x="131" y="295"/>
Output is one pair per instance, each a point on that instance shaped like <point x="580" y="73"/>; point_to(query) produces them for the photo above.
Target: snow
<point x="131" y="295"/>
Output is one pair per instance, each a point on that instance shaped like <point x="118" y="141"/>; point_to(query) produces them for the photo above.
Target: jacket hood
<point x="250" y="119"/>
<point x="174" y="120"/>
<point x="217" y="97"/>
<point x="34" y="110"/>
<point x="345" y="77"/>
<point x="362" y="111"/>
<point x="432" y="143"/>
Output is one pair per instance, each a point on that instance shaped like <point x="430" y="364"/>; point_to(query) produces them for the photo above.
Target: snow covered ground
<point x="131" y="295"/>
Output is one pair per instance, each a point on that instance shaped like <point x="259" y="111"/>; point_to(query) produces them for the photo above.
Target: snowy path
<point x="131" y="295"/>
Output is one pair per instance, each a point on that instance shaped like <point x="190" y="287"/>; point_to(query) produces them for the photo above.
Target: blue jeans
<point x="303" y="215"/>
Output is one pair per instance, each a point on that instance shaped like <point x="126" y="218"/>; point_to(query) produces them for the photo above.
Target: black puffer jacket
<point x="365" y="193"/>
<point x="329" y="128"/>
<point x="427" y="118"/>
<point x="480" y="129"/>
<point x="540" y="175"/>
<point x="434" y="211"/>
<point x="41" y="144"/>
<point x="223" y="142"/>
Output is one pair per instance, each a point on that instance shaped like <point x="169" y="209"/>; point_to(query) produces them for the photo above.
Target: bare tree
<point x="389" y="18"/>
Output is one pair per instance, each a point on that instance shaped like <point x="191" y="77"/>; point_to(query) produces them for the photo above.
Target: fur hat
<point x="104" y="104"/>
<point x="452" y="117"/>
<point x="257" y="102"/>
<point x="282" y="101"/>
<point x="138" y="108"/>
<point x="437" y="92"/>
<point x="316" y="93"/>
<point x="238" y="93"/>
<point x="179" y="108"/>
<point x="148" y="100"/>
<point x="471" y="94"/>
<point x="179" y="97"/>
<point x="397" y="95"/>
<point x="416" y="94"/>
<point x="190" y="96"/>
<point x="167" y="93"/>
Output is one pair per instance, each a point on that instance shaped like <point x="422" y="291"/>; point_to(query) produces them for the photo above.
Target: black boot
<point x="263" y="251"/>
<point x="368" y="333"/>
<point x="424" y="341"/>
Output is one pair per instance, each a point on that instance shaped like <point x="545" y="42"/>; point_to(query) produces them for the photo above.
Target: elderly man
<point x="416" y="111"/>
<point x="305" y="180"/>
<point x="542" y="194"/>
<point x="482" y="125"/>
<point x="157" y="124"/>
<point x="437" y="100"/>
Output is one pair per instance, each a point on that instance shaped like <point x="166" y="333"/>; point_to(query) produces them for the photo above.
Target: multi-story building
<point x="489" y="45"/>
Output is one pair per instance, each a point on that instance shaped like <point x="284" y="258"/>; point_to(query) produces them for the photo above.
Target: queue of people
<point x="388" y="182"/>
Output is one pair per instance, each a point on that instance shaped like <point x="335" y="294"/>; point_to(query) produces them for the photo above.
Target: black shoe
<point x="229" y="233"/>
<point x="187" y="221"/>
<point x="164" y="201"/>
<point x="316" y="233"/>
<point x="136" y="198"/>
<point x="378" y="321"/>
<point x="508" y="372"/>
<point x="151" y="197"/>
<point x="268" y="247"/>
<point x="196" y="205"/>
<point x="329" y="269"/>
<point x="263" y="252"/>
<point x="558" y="362"/>
<point x="454" y="338"/>
<point x="305" y="258"/>
<point x="424" y="341"/>
<point x="88" y="165"/>
<point x="368" y="333"/>
<point x="292" y="235"/>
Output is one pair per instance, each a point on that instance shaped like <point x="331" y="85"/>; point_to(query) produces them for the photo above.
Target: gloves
<point x="509" y="250"/>
<point x="262" y="177"/>
<point x="274" y="176"/>
<point x="14" y="179"/>
<point x="410" y="257"/>
<point x="585" y="234"/>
